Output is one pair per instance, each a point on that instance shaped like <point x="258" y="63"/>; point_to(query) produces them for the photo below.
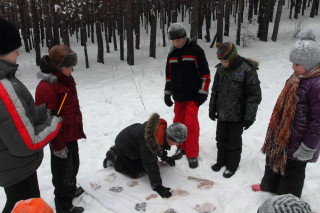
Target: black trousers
<point x="64" y="173"/>
<point x="292" y="181"/>
<point x="26" y="189"/>
<point x="130" y="167"/>
<point x="229" y="143"/>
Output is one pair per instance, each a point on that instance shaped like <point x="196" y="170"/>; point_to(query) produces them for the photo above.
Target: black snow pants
<point x="292" y="181"/>
<point x="229" y="143"/>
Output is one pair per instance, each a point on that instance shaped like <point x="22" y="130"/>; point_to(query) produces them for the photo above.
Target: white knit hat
<point x="306" y="51"/>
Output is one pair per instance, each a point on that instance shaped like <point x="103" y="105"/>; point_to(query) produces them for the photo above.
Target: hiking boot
<point x="73" y="209"/>
<point x="217" y="167"/>
<point x="193" y="163"/>
<point x="78" y="192"/>
<point x="228" y="173"/>
<point x="111" y="156"/>
<point x="178" y="154"/>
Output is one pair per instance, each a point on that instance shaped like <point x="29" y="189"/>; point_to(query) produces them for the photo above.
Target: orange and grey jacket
<point x="24" y="128"/>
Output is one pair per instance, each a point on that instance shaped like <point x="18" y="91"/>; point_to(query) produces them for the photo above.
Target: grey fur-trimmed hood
<point x="150" y="134"/>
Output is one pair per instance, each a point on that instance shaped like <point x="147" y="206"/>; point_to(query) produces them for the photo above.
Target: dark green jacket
<point x="236" y="91"/>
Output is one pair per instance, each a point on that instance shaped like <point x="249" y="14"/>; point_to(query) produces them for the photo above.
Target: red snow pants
<point x="187" y="113"/>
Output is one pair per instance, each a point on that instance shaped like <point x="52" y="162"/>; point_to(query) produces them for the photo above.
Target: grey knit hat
<point x="176" y="31"/>
<point x="177" y="132"/>
<point x="306" y="51"/>
<point x="287" y="203"/>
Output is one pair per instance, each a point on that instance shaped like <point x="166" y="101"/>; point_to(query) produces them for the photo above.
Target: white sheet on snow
<point x="202" y="199"/>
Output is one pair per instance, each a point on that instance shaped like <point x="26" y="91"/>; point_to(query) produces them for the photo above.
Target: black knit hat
<point x="176" y="31"/>
<point x="9" y="37"/>
<point x="227" y="51"/>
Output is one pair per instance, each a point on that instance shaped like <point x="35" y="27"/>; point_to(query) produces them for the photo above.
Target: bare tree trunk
<point x="174" y="11"/>
<point x="227" y="17"/>
<point x="163" y="23"/>
<point x="48" y="25"/>
<point x="250" y="11"/>
<point x="56" y="38"/>
<point x="153" y="33"/>
<point x="83" y="35"/>
<point x="137" y="7"/>
<point x="240" y="20"/>
<point x="314" y="8"/>
<point x="297" y="9"/>
<point x="304" y="6"/>
<point x="36" y="33"/>
<point x="277" y="21"/>
<point x="291" y="8"/>
<point x="64" y="25"/>
<point x="264" y="25"/>
<point x="129" y="28"/>
<point x="97" y="12"/>
<point x="201" y="18"/>
<point x="207" y="15"/>
<point x="194" y="19"/>
<point x="220" y="13"/>
<point x="105" y="21"/>
<point x="23" y="24"/>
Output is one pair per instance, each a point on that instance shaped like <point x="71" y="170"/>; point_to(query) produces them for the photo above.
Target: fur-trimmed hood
<point x="151" y="131"/>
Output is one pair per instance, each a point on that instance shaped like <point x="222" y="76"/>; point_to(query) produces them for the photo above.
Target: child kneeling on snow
<point x="138" y="146"/>
<point x="293" y="136"/>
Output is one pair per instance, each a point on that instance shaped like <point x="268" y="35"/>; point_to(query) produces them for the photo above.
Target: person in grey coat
<point x="293" y="135"/>
<point x="25" y="129"/>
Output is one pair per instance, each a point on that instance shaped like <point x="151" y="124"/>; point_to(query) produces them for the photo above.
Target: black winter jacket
<point x="133" y="142"/>
<point x="187" y="72"/>
<point x="236" y="91"/>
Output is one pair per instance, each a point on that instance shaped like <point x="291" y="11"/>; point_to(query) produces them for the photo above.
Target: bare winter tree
<point x="194" y="19"/>
<point x="153" y="33"/>
<point x="277" y="21"/>
<point x="129" y="28"/>
<point x="36" y="30"/>
<point x="220" y="13"/>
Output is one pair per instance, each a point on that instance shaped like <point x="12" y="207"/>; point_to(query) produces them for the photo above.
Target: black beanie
<point x="9" y="37"/>
<point x="227" y="51"/>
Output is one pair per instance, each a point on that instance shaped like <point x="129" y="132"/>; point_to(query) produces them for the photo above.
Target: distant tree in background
<point x="50" y="22"/>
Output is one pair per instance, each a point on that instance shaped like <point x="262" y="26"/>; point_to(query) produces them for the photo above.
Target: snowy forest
<point x="119" y="22"/>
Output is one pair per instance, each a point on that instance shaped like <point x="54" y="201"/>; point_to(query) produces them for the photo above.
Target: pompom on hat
<point x="306" y="51"/>
<point x="226" y="51"/>
<point x="176" y="31"/>
<point x="10" y="39"/>
<point x="32" y="205"/>
<point x="287" y="203"/>
<point x="177" y="132"/>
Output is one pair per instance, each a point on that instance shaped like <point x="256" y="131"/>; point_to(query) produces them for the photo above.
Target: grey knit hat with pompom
<point x="306" y="51"/>
<point x="177" y="132"/>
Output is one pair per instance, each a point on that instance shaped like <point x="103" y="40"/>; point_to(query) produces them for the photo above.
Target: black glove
<point x="247" y="124"/>
<point x="213" y="115"/>
<point x="201" y="99"/>
<point x="51" y="112"/>
<point x="167" y="100"/>
<point x="164" y="192"/>
<point x="170" y="161"/>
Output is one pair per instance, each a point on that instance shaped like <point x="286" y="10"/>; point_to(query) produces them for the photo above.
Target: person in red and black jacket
<point x="137" y="147"/>
<point x="57" y="81"/>
<point x="187" y="80"/>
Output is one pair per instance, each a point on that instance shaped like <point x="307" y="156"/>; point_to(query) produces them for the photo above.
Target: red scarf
<point x="281" y="121"/>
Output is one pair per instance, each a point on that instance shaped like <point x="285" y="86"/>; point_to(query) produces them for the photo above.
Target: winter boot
<point x="217" y="167"/>
<point x="193" y="163"/>
<point x="178" y="154"/>
<point x="228" y="173"/>
<point x="73" y="209"/>
<point x="256" y="188"/>
<point x="111" y="156"/>
<point x="78" y="192"/>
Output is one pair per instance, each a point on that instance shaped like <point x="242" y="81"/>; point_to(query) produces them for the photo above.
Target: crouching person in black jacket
<point x="138" y="146"/>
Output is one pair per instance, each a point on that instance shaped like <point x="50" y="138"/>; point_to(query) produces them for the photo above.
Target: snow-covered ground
<point x="114" y="95"/>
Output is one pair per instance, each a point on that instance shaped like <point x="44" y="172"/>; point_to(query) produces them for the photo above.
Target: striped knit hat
<point x="287" y="203"/>
<point x="227" y="51"/>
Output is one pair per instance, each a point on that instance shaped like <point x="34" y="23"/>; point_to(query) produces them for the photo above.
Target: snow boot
<point x="228" y="173"/>
<point x="73" y="209"/>
<point x="256" y="188"/>
<point x="78" y="192"/>
<point x="193" y="163"/>
<point x="111" y="156"/>
<point x="178" y="154"/>
<point x="217" y="167"/>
